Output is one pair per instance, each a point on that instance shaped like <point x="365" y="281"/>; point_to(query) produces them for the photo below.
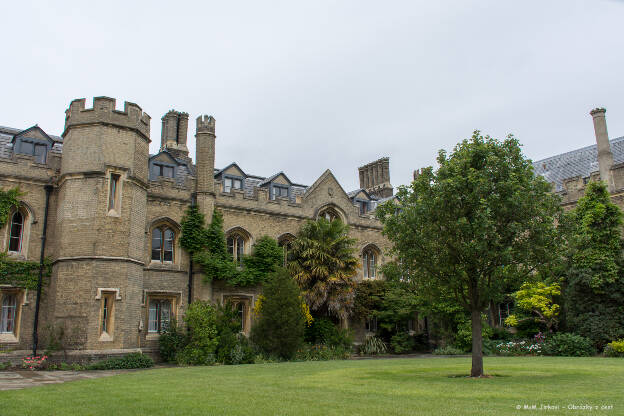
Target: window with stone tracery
<point x="163" y="243"/>
<point x="369" y="263"/>
<point x="236" y="243"/>
<point x="329" y="214"/>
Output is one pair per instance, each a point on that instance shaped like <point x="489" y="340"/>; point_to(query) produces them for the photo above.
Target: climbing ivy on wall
<point x="8" y="200"/>
<point x="22" y="273"/>
<point x="208" y="248"/>
<point x="17" y="272"/>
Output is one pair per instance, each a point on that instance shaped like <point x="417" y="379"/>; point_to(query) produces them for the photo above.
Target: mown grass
<point x="418" y="386"/>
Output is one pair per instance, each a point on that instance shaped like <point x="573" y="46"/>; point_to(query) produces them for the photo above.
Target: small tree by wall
<point x="324" y="265"/>
<point x="281" y="323"/>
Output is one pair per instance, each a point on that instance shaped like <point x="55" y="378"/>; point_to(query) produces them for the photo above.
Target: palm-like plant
<point x="324" y="265"/>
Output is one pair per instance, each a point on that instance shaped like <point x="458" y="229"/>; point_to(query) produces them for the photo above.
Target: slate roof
<point x="6" y="136"/>
<point x="272" y="178"/>
<point x="580" y="162"/>
<point x="184" y="168"/>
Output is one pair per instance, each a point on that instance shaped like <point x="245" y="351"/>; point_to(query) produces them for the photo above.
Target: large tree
<point x="473" y="226"/>
<point x="324" y="265"/>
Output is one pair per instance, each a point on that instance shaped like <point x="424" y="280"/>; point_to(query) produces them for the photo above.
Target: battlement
<point x="205" y="124"/>
<point x="104" y="112"/>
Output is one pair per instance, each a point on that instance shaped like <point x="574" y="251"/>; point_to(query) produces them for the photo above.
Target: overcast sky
<point x="305" y="86"/>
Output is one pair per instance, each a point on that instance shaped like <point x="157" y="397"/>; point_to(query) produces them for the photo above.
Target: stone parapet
<point x="103" y="112"/>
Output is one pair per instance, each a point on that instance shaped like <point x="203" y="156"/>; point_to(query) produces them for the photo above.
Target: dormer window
<point x="163" y="170"/>
<point x="30" y="147"/>
<point x="230" y="183"/>
<point x="363" y="207"/>
<point x="279" y="191"/>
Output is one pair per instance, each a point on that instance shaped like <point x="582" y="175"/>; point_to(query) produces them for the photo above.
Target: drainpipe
<point x="48" y="191"/>
<point x="190" y="275"/>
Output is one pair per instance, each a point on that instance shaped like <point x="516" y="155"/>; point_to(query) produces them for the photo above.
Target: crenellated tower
<point x="100" y="223"/>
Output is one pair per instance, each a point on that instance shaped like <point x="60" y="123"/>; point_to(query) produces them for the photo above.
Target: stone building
<point x="114" y="215"/>
<point x="570" y="172"/>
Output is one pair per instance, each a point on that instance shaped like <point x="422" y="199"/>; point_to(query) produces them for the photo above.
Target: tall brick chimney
<point x="205" y="162"/>
<point x="375" y="178"/>
<point x="605" y="157"/>
<point x="174" y="133"/>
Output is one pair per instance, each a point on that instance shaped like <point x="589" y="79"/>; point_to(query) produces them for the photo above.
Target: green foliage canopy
<point x="281" y="324"/>
<point x="324" y="265"/>
<point x="208" y="248"/>
<point x="482" y="220"/>
<point x="200" y="318"/>
<point x="536" y="301"/>
<point x="596" y="240"/>
<point x="593" y="289"/>
<point x="8" y="200"/>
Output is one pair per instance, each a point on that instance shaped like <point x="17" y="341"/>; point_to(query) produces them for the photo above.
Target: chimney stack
<point x="375" y="178"/>
<point x="174" y="133"/>
<point x="605" y="157"/>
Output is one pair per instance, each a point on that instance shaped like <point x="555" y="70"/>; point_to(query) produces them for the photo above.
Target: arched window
<point x="285" y="242"/>
<point x="236" y="247"/>
<point x="16" y="232"/>
<point x="329" y="214"/>
<point x="369" y="263"/>
<point x="163" y="239"/>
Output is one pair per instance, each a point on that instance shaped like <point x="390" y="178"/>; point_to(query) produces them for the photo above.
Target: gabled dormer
<point x="362" y="200"/>
<point x="33" y="142"/>
<point x="231" y="177"/>
<point x="279" y="186"/>
<point x="162" y="165"/>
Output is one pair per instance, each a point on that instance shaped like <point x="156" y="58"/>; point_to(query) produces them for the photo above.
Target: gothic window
<point x="159" y="315"/>
<point x="236" y="247"/>
<point x="8" y="314"/>
<point x="329" y="214"/>
<point x="16" y="232"/>
<point x="285" y="243"/>
<point x="163" y="240"/>
<point x="369" y="263"/>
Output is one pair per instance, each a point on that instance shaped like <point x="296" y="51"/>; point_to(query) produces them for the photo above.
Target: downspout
<point x="48" y="191"/>
<point x="190" y="274"/>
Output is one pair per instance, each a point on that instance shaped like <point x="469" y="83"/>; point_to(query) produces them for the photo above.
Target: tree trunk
<point x="477" y="345"/>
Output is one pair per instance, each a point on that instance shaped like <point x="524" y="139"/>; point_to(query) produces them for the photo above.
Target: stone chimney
<point x="174" y="133"/>
<point x="205" y="161"/>
<point x="605" y="157"/>
<point x="375" y="178"/>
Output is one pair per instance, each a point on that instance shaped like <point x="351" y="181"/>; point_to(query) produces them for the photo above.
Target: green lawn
<point x="417" y="386"/>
